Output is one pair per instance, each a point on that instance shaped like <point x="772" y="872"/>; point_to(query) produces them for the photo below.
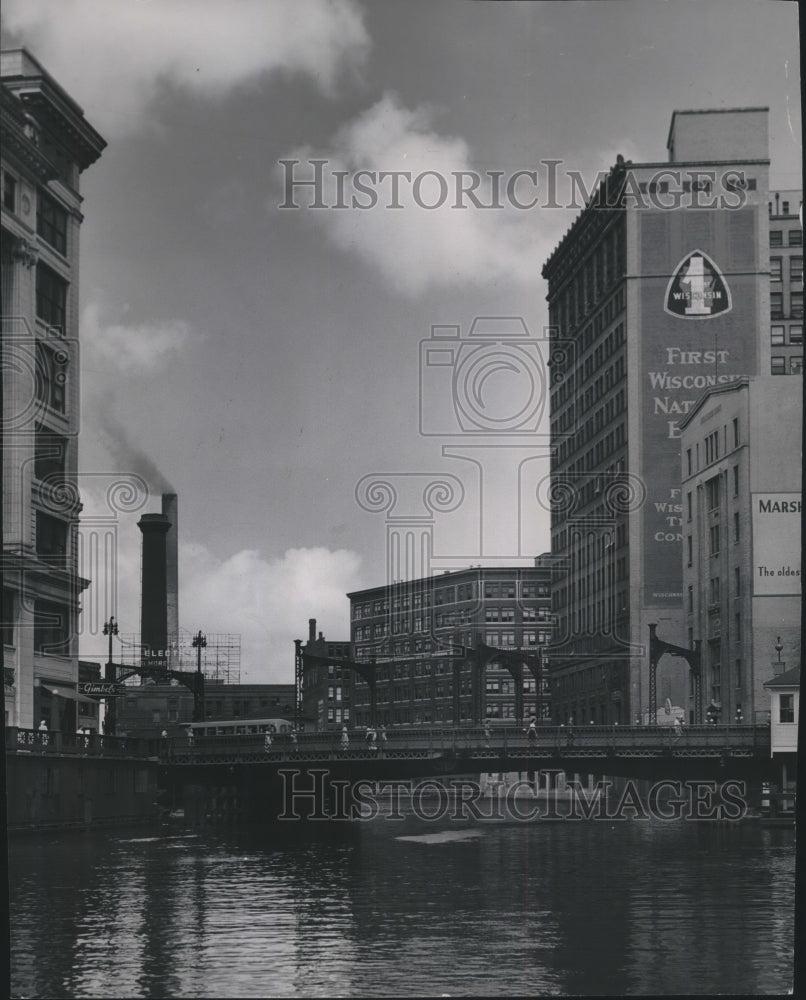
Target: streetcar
<point x="240" y="727"/>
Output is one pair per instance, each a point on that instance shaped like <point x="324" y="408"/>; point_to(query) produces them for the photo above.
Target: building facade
<point x="741" y="493"/>
<point x="323" y="681"/>
<point x="146" y="710"/>
<point x="786" y="282"/>
<point x="46" y="144"/>
<point x="658" y="290"/>
<point x="462" y="646"/>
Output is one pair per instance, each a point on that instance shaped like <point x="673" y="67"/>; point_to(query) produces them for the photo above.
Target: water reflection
<point x="405" y="908"/>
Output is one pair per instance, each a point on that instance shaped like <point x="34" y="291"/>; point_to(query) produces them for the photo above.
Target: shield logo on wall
<point x="697" y="289"/>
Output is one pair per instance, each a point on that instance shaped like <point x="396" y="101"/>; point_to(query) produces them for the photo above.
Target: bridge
<point x="630" y="751"/>
<point x="241" y="777"/>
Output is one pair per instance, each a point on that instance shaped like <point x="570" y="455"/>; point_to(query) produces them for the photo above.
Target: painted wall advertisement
<point x="776" y="544"/>
<point x="699" y="303"/>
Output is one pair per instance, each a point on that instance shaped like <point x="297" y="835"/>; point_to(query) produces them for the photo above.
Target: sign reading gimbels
<point x="697" y="289"/>
<point x="100" y="689"/>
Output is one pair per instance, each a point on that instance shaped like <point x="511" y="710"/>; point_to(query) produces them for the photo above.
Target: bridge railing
<point x="475" y="741"/>
<point x="43" y="741"/>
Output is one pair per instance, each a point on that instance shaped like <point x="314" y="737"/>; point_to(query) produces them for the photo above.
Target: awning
<point x="65" y="692"/>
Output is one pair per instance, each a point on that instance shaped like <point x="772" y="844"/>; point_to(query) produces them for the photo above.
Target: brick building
<point x="465" y="645"/>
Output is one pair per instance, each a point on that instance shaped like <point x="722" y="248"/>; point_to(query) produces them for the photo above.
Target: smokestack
<point x="170" y="508"/>
<point x="311" y="629"/>
<point x="153" y="610"/>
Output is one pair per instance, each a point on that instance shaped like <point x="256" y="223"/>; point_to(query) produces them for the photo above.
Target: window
<point x="737" y="580"/>
<point x="796" y="237"/>
<point x="688" y="461"/>
<point x="50" y="455"/>
<point x="777" y="335"/>
<point x="786" y="708"/>
<point x="785" y="208"/>
<point x="796" y="305"/>
<point x="796" y="365"/>
<point x="689" y="505"/>
<point x="714" y="590"/>
<point x="712" y="492"/>
<point x="735" y="432"/>
<point x="796" y="269"/>
<point x="775" y="268"/>
<point x="777" y="365"/>
<point x="776" y="238"/>
<point x="712" y="449"/>
<point x="51" y="223"/>
<point x="51" y="296"/>
<point x="714" y="539"/>
<point x="777" y="305"/>
<point x="51" y="535"/>
<point x="735" y="480"/>
<point x="9" y="192"/>
<point x="736" y="528"/>
<point x="796" y="333"/>
<point x="51" y="627"/>
<point x="689" y="550"/>
<point x="691" y="598"/>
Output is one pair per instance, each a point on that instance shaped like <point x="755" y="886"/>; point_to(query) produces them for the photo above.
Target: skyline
<point x="264" y="362"/>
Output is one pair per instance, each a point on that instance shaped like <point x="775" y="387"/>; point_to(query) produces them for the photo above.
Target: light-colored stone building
<point x="46" y="144"/>
<point x="741" y="496"/>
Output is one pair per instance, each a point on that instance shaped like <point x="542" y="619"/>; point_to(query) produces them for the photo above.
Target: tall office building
<point x="46" y="144"/>
<point x="786" y="283"/>
<point x="659" y="290"/>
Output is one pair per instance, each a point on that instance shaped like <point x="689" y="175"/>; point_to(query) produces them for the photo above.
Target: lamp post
<point x="110" y="716"/>
<point x="199" y="643"/>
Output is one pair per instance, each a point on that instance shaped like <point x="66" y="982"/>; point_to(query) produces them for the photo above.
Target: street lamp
<point x="199" y="643"/>
<point x="110" y="629"/>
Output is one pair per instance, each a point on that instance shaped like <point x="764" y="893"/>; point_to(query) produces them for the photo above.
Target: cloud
<point x="418" y="248"/>
<point x="113" y="58"/>
<point x="266" y="601"/>
<point x="139" y="348"/>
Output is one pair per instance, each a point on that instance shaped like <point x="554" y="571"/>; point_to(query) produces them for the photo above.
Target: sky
<point x="265" y="362"/>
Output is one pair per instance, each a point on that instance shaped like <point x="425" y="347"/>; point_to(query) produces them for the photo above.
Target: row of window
<point x="780" y="365"/>
<point x="778" y="334"/>
<point x="422" y="598"/>
<point x="795" y="269"/>
<point x="795" y="237"/>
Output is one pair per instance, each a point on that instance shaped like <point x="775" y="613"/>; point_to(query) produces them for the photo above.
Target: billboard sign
<point x="776" y="544"/>
<point x="680" y="280"/>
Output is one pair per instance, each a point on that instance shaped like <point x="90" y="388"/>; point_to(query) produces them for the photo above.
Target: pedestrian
<point x="487" y="734"/>
<point x="43" y="726"/>
<point x="531" y="733"/>
<point x="267" y="741"/>
<point x="345" y="738"/>
<point x="678" y="728"/>
<point x="383" y="737"/>
<point x="293" y="738"/>
<point x="189" y="733"/>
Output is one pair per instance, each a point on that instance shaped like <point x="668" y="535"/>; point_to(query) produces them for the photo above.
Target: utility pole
<point x="110" y="675"/>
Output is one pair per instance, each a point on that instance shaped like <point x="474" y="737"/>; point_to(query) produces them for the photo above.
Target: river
<point x="405" y="908"/>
